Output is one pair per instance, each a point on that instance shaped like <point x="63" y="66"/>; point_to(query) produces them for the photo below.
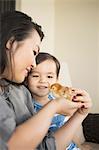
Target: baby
<point x="42" y="82"/>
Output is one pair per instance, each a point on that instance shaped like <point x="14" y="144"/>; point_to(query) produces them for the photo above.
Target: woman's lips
<point x="26" y="72"/>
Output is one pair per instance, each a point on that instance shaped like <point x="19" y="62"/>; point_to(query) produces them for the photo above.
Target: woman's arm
<point x="65" y="134"/>
<point x="30" y="134"/>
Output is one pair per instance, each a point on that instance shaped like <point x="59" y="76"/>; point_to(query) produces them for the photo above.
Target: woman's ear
<point x="9" y="43"/>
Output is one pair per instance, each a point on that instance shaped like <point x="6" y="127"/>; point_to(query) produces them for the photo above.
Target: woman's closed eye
<point x="34" y="52"/>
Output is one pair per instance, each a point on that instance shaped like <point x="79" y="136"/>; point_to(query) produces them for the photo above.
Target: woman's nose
<point x="33" y="62"/>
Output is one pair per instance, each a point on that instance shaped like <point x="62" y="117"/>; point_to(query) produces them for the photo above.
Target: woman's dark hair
<point x="18" y="26"/>
<point x="42" y="56"/>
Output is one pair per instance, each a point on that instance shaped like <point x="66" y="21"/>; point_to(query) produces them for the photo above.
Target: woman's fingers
<point x="67" y="107"/>
<point x="81" y="95"/>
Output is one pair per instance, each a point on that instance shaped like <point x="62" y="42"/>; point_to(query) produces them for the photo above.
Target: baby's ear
<point x="9" y="43"/>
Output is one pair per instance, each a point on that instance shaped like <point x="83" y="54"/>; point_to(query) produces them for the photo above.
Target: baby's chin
<point x="42" y="95"/>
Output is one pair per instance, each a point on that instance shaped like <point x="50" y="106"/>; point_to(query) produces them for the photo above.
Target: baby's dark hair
<point x="42" y="56"/>
<point x="16" y="25"/>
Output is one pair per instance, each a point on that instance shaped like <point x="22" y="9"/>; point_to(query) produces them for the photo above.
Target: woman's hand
<point x="81" y="103"/>
<point x="67" y="107"/>
<point x="85" y="99"/>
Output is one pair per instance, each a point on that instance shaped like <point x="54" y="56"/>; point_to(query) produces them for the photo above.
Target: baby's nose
<point x="43" y="79"/>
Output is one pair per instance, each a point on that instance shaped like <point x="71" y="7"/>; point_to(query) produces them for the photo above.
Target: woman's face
<point x="23" y="55"/>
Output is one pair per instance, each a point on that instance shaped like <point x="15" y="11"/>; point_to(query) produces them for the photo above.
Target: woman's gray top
<point x="16" y="106"/>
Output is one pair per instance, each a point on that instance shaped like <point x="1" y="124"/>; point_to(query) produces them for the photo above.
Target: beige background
<point x="71" y="30"/>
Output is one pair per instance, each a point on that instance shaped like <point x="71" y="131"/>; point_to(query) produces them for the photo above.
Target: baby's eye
<point x="50" y="76"/>
<point x="35" y="76"/>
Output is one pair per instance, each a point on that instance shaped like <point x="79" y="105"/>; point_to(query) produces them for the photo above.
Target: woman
<point x="22" y="130"/>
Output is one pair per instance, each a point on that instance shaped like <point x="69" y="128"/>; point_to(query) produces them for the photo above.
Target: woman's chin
<point x="19" y="80"/>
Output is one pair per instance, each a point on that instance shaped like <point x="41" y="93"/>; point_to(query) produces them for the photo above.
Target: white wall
<point x="42" y="12"/>
<point x="76" y="42"/>
<point x="72" y="34"/>
<point x="98" y="49"/>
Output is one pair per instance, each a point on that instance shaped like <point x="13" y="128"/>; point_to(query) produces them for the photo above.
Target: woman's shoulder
<point x="8" y="87"/>
<point x="18" y="99"/>
<point x="18" y="90"/>
<point x="21" y="92"/>
<point x="7" y="118"/>
<point x="18" y="87"/>
<point x="15" y="94"/>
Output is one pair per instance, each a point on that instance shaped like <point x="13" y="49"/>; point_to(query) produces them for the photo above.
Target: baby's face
<point x="42" y="77"/>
